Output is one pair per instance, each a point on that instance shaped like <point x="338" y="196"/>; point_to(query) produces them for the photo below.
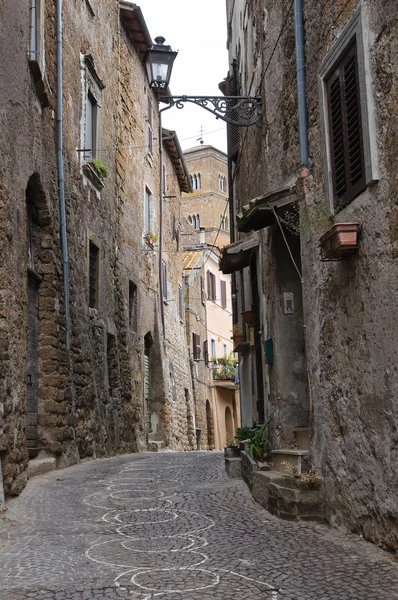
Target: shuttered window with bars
<point x="93" y="275"/>
<point x="223" y="294"/>
<point x="345" y="127"/>
<point x="196" y="346"/>
<point x="211" y="286"/>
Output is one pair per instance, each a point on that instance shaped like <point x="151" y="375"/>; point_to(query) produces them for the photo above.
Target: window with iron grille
<point x="345" y="129"/>
<point x="147" y="210"/>
<point x="93" y="275"/>
<point x="133" y="306"/>
<point x="180" y="302"/>
<point x="196" y="350"/>
<point x="36" y="31"/>
<point x="164" y="281"/>
<point x="150" y="125"/>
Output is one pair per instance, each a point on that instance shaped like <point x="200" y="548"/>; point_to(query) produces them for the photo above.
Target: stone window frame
<point x="148" y="209"/>
<point x="36" y="37"/>
<point x="92" y="238"/>
<point x="222" y="182"/>
<point x="357" y="29"/>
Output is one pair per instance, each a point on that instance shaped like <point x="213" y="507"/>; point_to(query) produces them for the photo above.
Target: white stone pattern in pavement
<point x="159" y="550"/>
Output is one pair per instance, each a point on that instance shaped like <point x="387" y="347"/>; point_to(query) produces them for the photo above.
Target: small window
<point x="91" y="109"/>
<point x="180" y="303"/>
<point x="225" y="349"/>
<point x="133" y="306"/>
<point x="213" y="348"/>
<point x="164" y="281"/>
<point x="195" y="181"/>
<point x="196" y="350"/>
<point x="223" y="285"/>
<point x="150" y="125"/>
<point x="93" y="275"/>
<point x="148" y="210"/>
<point x="36" y="31"/>
<point x="222" y="182"/>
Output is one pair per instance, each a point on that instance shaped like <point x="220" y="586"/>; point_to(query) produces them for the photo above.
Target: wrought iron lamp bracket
<point x="242" y="111"/>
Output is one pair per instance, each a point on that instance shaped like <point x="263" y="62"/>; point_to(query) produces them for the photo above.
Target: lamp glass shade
<point x="159" y="64"/>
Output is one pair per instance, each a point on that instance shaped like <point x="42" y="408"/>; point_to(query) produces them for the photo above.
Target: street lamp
<point x="159" y="63"/>
<point x="241" y="111"/>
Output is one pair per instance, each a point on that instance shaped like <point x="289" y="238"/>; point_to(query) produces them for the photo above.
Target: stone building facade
<point x="87" y="373"/>
<point x="327" y="351"/>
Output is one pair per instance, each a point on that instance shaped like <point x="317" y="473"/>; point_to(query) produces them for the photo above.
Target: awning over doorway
<point x="236" y="256"/>
<point x="258" y="213"/>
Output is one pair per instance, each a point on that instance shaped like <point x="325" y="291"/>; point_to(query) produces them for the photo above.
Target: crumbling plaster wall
<point x="352" y="330"/>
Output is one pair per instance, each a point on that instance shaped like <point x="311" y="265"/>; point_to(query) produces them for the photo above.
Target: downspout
<point x="60" y="170"/>
<point x="161" y="193"/>
<point x="301" y="83"/>
<point x="303" y="133"/>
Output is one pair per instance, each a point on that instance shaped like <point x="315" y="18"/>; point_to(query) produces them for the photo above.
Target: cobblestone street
<point x="173" y="526"/>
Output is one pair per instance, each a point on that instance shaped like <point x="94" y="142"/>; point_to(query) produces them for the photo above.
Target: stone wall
<point x="348" y="306"/>
<point x="91" y="402"/>
<point x="352" y="336"/>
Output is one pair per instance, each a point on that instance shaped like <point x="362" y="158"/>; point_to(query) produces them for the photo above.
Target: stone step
<point x="39" y="466"/>
<point x="233" y="466"/>
<point x="295" y="457"/>
<point x="155" y="445"/>
<point x="302" y="437"/>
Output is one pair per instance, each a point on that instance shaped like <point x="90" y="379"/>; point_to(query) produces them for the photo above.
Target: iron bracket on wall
<point x="242" y="111"/>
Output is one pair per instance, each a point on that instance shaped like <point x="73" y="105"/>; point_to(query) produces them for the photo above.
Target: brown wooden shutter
<point x="206" y="352"/>
<point x="345" y="124"/>
<point x="213" y="287"/>
<point x="209" y="285"/>
<point x="231" y="89"/>
<point x="223" y="294"/>
<point x="196" y="346"/>
<point x="202" y="290"/>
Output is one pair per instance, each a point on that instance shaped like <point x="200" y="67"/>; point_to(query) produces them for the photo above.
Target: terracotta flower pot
<point x="238" y="339"/>
<point x="248" y="317"/>
<point x="339" y="240"/>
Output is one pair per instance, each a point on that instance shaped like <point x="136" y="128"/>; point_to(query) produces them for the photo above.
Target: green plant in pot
<point x="259" y="442"/>
<point x="99" y="167"/>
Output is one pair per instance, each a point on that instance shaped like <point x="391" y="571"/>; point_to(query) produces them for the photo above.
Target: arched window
<point x="199" y="182"/>
<point x="194" y="182"/>
<point x="197" y="221"/>
<point x="226" y="223"/>
<point x="190" y="219"/>
<point x="222" y="182"/>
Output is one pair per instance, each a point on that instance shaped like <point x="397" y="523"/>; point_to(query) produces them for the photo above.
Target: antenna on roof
<point x="200" y="139"/>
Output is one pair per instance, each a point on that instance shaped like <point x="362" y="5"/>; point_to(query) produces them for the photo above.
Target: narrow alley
<point x="173" y="526"/>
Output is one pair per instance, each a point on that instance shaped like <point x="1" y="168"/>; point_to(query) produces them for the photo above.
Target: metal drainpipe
<point x="301" y="87"/>
<point x="60" y="169"/>
<point x="161" y="191"/>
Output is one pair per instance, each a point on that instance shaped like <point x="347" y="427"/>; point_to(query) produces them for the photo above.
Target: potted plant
<point x="339" y="240"/>
<point x="99" y="167"/>
<point x="150" y="239"/>
<point x="260" y="446"/>
<point x="237" y="334"/>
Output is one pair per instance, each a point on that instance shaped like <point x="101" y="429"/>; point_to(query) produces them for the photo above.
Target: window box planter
<point x="238" y="339"/>
<point x="339" y="241"/>
<point x="149" y="241"/>
<point x="94" y="176"/>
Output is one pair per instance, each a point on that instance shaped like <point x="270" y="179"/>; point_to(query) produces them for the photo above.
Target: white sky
<point x="197" y="29"/>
